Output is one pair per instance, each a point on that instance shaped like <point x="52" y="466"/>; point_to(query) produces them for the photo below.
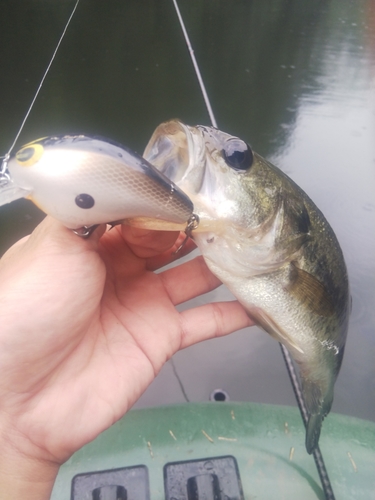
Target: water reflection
<point x="293" y="77"/>
<point x="262" y="60"/>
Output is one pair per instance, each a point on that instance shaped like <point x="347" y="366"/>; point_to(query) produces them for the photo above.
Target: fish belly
<point x="267" y="300"/>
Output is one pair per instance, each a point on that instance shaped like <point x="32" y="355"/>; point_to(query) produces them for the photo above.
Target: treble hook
<point x="4" y="174"/>
<point x="192" y="224"/>
<point x="85" y="231"/>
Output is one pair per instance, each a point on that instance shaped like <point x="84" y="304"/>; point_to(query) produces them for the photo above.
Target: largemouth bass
<point x="263" y="237"/>
<point x="84" y="181"/>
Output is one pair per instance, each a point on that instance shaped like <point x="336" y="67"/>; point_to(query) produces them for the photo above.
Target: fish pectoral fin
<point x="299" y="221"/>
<point x="292" y="223"/>
<point x="309" y="291"/>
<point x="273" y="329"/>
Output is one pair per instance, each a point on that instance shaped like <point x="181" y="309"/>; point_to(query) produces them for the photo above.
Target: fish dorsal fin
<point x="309" y="291"/>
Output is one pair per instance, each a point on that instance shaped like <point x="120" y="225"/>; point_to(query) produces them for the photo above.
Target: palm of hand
<point x="96" y="327"/>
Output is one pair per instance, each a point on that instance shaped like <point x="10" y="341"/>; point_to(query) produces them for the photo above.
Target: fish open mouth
<point x="191" y="158"/>
<point x="175" y="150"/>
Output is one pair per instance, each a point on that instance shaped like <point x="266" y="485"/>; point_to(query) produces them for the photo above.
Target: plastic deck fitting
<point x="118" y="484"/>
<point x="215" y="478"/>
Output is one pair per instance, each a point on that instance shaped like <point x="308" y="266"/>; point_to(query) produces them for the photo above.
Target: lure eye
<point x="84" y="200"/>
<point x="29" y="155"/>
<point x="237" y="154"/>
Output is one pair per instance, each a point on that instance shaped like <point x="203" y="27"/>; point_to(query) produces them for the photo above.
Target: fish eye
<point x="84" y="200"/>
<point x="237" y="154"/>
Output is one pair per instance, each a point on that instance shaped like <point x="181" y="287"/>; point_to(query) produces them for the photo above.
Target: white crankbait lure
<point x="84" y="181"/>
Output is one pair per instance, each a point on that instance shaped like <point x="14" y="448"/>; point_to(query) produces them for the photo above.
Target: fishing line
<point x="6" y="157"/>
<point x="317" y="454"/>
<point x="319" y="462"/>
<point x="196" y="67"/>
<point x="179" y="380"/>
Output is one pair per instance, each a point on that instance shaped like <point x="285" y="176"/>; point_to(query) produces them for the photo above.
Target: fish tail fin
<point x="318" y="404"/>
<point x="313" y="428"/>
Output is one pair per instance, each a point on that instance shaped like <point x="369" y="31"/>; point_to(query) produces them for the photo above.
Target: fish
<point x="265" y="239"/>
<point x="85" y="181"/>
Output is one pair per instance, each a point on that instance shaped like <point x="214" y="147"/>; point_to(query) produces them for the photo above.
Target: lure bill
<point x="84" y="181"/>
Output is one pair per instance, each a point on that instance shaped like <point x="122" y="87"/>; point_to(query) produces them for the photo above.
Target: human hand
<point x="86" y="325"/>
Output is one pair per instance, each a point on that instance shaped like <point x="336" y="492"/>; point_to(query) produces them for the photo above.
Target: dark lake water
<point x="295" y="78"/>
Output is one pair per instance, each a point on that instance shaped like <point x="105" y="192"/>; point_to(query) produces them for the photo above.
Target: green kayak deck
<point x="265" y="441"/>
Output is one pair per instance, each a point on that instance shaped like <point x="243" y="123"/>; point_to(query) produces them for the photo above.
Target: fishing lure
<point x="85" y="181"/>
